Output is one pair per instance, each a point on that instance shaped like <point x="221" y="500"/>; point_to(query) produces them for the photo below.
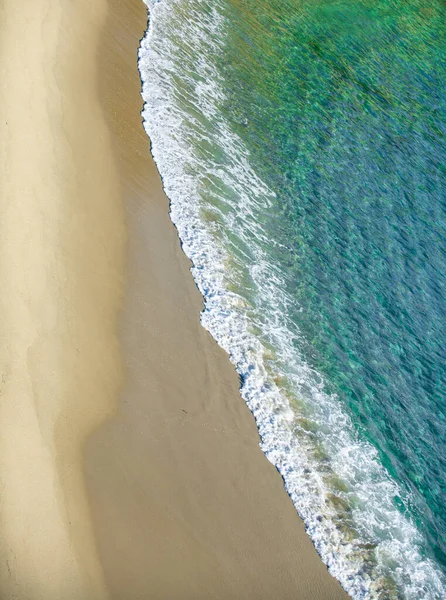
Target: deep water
<point x="342" y="105"/>
<point x="302" y="144"/>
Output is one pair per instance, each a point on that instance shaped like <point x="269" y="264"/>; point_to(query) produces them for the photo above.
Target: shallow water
<point x="301" y="145"/>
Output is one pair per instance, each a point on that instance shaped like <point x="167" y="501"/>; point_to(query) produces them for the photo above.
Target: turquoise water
<point x="301" y="144"/>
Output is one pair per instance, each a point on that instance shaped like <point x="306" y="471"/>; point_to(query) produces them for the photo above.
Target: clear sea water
<point x="302" y="146"/>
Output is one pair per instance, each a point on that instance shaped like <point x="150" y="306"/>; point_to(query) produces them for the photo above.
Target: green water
<point x="311" y="135"/>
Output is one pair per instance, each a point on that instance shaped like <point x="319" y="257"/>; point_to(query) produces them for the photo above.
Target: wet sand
<point x="185" y="504"/>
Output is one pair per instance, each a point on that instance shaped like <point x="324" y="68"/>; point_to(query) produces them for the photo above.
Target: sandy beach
<point x="130" y="466"/>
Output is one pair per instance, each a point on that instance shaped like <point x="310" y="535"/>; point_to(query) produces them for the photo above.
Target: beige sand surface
<point x="61" y="258"/>
<point x="185" y="505"/>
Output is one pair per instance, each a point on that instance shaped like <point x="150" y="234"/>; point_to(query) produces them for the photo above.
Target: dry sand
<point x="172" y="497"/>
<point x="61" y="249"/>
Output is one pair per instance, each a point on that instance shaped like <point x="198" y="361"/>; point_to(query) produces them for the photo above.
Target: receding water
<point x="302" y="146"/>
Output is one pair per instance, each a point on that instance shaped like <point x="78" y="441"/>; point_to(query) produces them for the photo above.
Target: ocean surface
<point x="302" y="146"/>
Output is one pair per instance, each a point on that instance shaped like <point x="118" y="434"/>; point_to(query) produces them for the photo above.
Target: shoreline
<point x="130" y="465"/>
<point x="184" y="502"/>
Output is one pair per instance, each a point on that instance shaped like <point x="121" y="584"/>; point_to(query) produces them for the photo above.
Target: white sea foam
<point x="365" y="541"/>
